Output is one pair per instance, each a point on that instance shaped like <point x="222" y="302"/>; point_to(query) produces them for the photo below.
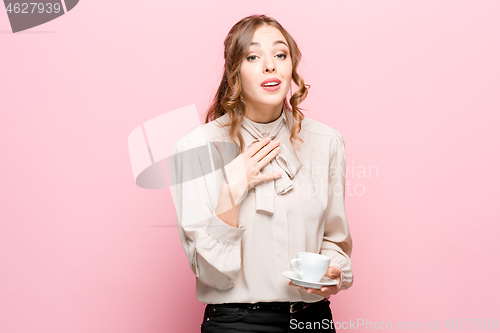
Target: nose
<point x="270" y="67"/>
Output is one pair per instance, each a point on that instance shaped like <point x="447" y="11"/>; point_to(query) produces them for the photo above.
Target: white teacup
<point x="311" y="266"/>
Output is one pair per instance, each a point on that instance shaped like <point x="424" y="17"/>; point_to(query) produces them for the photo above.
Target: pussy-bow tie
<point x="284" y="162"/>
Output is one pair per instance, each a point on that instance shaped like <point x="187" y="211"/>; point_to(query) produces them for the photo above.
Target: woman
<point x="270" y="195"/>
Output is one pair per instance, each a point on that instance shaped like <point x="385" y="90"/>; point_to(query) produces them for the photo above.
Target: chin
<point x="274" y="103"/>
<point x="272" y="100"/>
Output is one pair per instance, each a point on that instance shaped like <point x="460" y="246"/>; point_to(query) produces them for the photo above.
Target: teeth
<point x="271" y="84"/>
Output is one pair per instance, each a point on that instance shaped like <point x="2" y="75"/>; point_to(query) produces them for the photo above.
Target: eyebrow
<point x="274" y="43"/>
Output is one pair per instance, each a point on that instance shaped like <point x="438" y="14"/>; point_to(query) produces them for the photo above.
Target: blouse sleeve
<point x="337" y="242"/>
<point x="211" y="245"/>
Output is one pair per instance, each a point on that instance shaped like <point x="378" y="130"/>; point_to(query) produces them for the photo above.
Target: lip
<point x="271" y="88"/>
<point x="273" y="79"/>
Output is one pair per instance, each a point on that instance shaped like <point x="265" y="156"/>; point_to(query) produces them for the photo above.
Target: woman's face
<point x="268" y="58"/>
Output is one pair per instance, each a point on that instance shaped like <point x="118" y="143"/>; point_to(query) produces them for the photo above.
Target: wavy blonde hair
<point x="228" y="97"/>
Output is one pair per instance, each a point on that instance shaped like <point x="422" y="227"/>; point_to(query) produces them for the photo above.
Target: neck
<point x="263" y="114"/>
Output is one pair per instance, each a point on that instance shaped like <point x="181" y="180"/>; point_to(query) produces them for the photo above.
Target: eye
<point x="282" y="55"/>
<point x="251" y="58"/>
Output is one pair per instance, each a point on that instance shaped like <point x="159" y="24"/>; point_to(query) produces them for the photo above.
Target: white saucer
<point x="294" y="276"/>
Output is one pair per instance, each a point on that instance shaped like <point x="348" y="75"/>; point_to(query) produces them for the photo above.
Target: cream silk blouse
<point x="302" y="211"/>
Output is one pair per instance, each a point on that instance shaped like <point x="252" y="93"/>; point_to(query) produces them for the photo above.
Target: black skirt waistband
<point x="291" y="307"/>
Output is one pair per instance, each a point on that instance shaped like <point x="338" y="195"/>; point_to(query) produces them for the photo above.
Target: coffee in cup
<point x="311" y="267"/>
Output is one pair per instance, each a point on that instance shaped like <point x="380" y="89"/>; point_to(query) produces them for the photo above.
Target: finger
<point x="315" y="291"/>
<point x="321" y="293"/>
<point x="265" y="150"/>
<point x="266" y="154"/>
<point x="257" y="146"/>
<point x="321" y="290"/>
<point x="274" y="150"/>
<point x="334" y="272"/>
<point x="269" y="176"/>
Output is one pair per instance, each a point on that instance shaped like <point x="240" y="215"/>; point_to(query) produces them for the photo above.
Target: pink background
<point x="411" y="85"/>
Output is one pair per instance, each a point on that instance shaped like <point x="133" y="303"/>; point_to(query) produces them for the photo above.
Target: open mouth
<point x="271" y="84"/>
